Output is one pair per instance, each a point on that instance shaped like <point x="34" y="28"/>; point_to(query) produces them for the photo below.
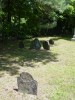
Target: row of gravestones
<point x="36" y="44"/>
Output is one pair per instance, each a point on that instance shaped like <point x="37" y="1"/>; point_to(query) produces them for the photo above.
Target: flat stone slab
<point x="27" y="84"/>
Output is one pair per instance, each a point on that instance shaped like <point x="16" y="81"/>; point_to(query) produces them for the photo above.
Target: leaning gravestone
<point x="46" y="45"/>
<point x="27" y="84"/>
<point x="35" y="44"/>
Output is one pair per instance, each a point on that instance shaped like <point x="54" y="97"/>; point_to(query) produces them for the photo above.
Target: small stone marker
<point x="51" y="41"/>
<point x="35" y="44"/>
<point x="46" y="45"/>
<point x="27" y="84"/>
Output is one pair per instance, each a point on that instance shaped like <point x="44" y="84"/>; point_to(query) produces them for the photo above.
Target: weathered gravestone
<point x="73" y="39"/>
<point x="51" y="41"/>
<point x="21" y="44"/>
<point x="46" y="45"/>
<point x="35" y="44"/>
<point x="27" y="84"/>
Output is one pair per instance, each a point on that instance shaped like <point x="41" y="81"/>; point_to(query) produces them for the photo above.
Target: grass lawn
<point x="54" y="70"/>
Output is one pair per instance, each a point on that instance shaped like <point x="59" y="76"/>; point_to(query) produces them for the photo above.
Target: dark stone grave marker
<point x="35" y="44"/>
<point x="46" y="45"/>
<point x="51" y="41"/>
<point x="27" y="84"/>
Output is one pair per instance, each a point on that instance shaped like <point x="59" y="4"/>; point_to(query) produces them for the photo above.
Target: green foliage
<point x="69" y="14"/>
<point x="27" y="17"/>
<point x="14" y="11"/>
<point x="56" y="4"/>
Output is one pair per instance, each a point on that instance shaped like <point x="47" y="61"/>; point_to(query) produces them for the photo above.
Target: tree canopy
<point x="27" y="17"/>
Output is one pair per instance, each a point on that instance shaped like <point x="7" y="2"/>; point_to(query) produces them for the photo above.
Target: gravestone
<point x="35" y="44"/>
<point x="46" y="45"/>
<point x="51" y="41"/>
<point x="73" y="39"/>
<point x="27" y="84"/>
<point x="21" y="44"/>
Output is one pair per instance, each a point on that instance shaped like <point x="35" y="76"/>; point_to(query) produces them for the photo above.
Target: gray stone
<point x="27" y="84"/>
<point x="73" y="39"/>
<point x="46" y="45"/>
<point x="35" y="44"/>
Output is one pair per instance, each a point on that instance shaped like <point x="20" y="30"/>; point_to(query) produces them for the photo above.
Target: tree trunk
<point x="9" y="12"/>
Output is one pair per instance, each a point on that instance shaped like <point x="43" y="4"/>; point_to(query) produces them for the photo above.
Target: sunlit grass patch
<point x="54" y="70"/>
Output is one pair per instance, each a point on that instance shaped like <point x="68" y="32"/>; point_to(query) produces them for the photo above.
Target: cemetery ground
<point x="53" y="69"/>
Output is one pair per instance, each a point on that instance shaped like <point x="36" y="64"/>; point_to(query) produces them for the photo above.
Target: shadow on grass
<point x="11" y="57"/>
<point x="68" y="38"/>
<point x="33" y="56"/>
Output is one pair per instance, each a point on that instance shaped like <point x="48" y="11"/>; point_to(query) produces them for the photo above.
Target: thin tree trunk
<point x="9" y="12"/>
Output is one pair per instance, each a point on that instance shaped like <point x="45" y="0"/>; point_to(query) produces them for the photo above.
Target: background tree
<point x="28" y="17"/>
